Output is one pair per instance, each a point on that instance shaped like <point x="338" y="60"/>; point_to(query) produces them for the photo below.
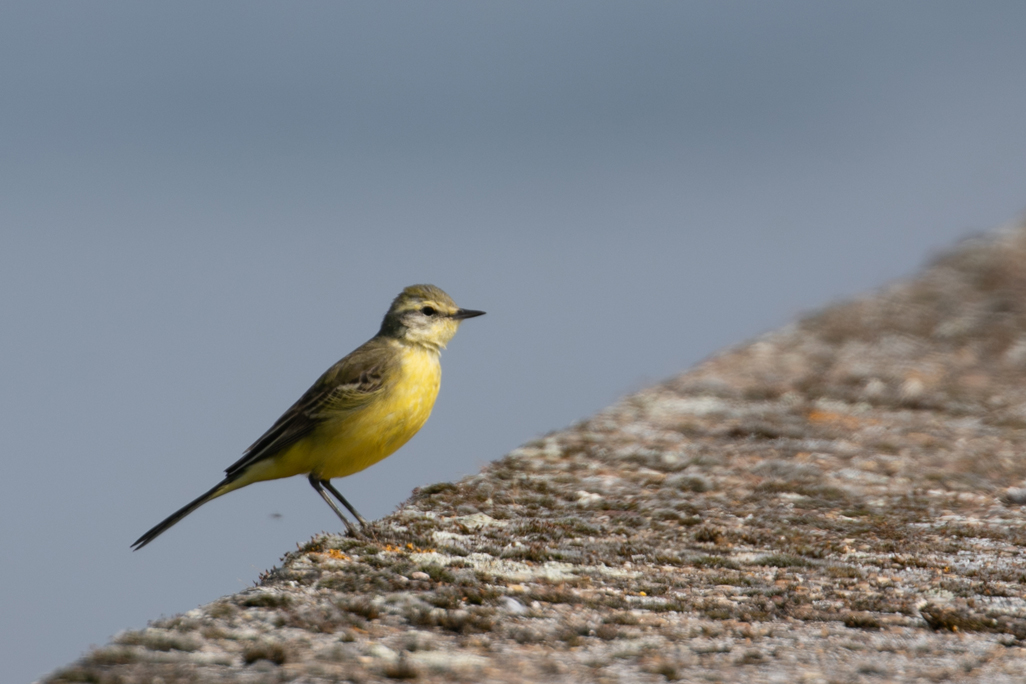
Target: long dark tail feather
<point x="179" y="514"/>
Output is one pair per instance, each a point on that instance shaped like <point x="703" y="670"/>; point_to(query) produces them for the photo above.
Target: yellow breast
<point x="360" y="439"/>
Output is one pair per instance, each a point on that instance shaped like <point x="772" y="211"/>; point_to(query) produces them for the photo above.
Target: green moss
<point x="550" y="594"/>
<point x="222" y="610"/>
<point x="708" y="534"/>
<point x="714" y="562"/>
<point x="434" y="489"/>
<point x="362" y="607"/>
<point x="158" y="640"/>
<point x="269" y="650"/>
<point x="572" y="633"/>
<point x="862" y="621"/>
<point x="783" y="560"/>
<point x="77" y="674"/>
<point x="882" y="603"/>
<point x="621" y="618"/>
<point x="264" y="600"/>
<point x="717" y="611"/>
<point x="844" y="571"/>
<point x="734" y="580"/>
<point x="667" y="669"/>
<point x="470" y="620"/>
<point x="112" y="656"/>
<point x="401" y="669"/>
<point x="437" y="573"/>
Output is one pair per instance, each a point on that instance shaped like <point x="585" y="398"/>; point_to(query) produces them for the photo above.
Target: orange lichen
<point x="849" y="422"/>
<point x="409" y="548"/>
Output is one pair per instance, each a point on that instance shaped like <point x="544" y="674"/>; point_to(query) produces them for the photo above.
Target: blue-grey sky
<point x="204" y="205"/>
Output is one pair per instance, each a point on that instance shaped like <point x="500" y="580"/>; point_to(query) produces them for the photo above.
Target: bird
<point x="361" y="410"/>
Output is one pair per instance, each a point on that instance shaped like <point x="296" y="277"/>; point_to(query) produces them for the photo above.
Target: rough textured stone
<point x="838" y="501"/>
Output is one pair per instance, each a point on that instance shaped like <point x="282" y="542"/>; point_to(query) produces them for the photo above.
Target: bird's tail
<point x="222" y="487"/>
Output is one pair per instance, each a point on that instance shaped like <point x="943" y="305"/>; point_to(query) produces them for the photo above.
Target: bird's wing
<point x="347" y="386"/>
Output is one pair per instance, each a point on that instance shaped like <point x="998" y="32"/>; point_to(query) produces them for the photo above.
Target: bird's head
<point x="425" y="315"/>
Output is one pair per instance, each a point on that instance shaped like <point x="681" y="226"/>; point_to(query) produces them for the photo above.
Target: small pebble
<point x="511" y="605"/>
<point x="1015" y="495"/>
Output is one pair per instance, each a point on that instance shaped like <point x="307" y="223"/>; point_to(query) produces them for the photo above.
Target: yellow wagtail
<point x="360" y="411"/>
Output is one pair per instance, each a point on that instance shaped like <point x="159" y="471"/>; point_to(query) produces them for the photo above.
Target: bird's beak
<point x="467" y="313"/>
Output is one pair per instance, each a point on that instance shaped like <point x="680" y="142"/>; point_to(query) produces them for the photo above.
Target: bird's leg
<point x="327" y="485"/>
<point x="317" y="484"/>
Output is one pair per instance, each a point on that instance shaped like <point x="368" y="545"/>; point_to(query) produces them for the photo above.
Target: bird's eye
<point x="428" y="311"/>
